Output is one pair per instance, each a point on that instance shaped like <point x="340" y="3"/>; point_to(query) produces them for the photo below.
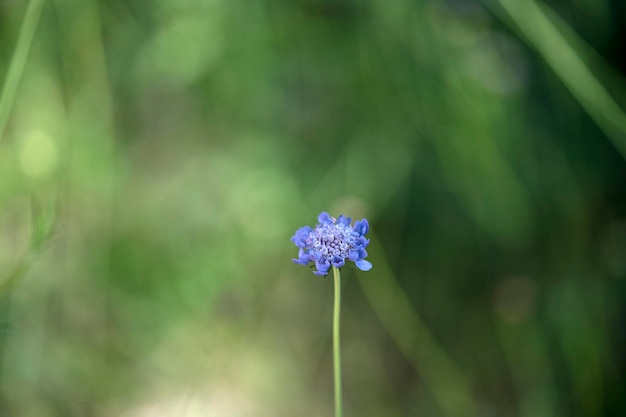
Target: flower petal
<point x="325" y="218"/>
<point x="322" y="265"/>
<point x="315" y="255"/>
<point x="321" y="273"/>
<point x="338" y="262"/>
<point x="299" y="238"/>
<point x="344" y="220"/>
<point x="362" y="227"/>
<point x="362" y="242"/>
<point x="305" y="258"/>
<point x="363" y="265"/>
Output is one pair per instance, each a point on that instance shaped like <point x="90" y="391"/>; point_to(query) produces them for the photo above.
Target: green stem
<point x="336" y="349"/>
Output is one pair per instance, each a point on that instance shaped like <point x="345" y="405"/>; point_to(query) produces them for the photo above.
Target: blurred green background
<point x="156" y="157"/>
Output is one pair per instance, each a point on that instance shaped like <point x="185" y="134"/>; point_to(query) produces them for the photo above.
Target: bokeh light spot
<point x="181" y="51"/>
<point x="38" y="154"/>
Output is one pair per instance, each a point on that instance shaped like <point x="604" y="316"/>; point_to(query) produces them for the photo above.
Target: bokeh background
<point x="156" y="157"/>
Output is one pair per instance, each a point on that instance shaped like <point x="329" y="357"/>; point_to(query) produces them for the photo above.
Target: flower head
<point x="333" y="242"/>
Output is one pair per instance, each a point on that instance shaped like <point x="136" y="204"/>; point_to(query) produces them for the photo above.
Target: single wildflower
<point x="333" y="242"/>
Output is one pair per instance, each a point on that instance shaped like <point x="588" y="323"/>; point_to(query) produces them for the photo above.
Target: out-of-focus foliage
<point x="156" y="156"/>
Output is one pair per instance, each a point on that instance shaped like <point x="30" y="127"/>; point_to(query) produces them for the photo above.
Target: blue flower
<point x="332" y="243"/>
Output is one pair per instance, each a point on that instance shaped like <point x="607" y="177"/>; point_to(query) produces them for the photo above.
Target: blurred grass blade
<point x="540" y="32"/>
<point x="44" y="218"/>
<point x="18" y="61"/>
<point x="43" y="221"/>
<point x="16" y="272"/>
<point x="439" y="373"/>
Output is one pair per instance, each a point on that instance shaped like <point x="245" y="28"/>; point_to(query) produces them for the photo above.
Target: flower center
<point x="332" y="240"/>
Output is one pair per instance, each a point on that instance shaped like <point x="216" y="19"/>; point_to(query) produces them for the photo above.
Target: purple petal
<point x="363" y="265"/>
<point x="325" y="218"/>
<point x="321" y="273"/>
<point x="305" y="258"/>
<point x="315" y="256"/>
<point x="299" y="238"/>
<point x="353" y="255"/>
<point x="322" y="265"/>
<point x="362" y="227"/>
<point x="362" y="242"/>
<point x="338" y="262"/>
<point x="344" y="220"/>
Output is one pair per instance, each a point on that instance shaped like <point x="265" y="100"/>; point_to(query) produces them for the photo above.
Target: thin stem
<point x="336" y="349"/>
